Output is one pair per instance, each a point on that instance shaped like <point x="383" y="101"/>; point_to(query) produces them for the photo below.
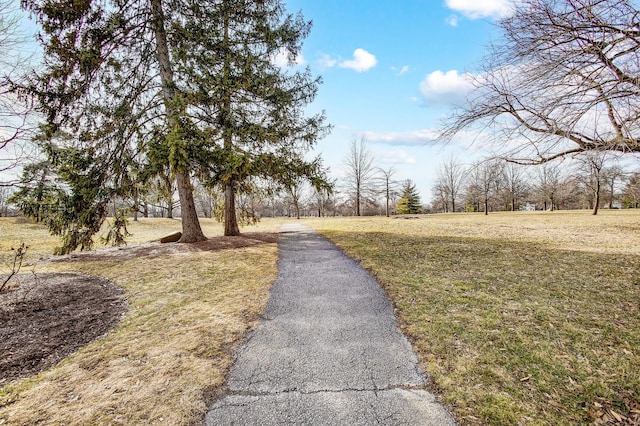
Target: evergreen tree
<point x="252" y="108"/>
<point x="409" y="203"/>
<point x="129" y="88"/>
<point x="107" y="93"/>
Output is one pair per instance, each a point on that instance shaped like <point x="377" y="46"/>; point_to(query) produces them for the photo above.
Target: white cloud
<point x="428" y="138"/>
<point x="408" y="138"/>
<point x="399" y="156"/>
<point x="362" y="61"/>
<point x="400" y="71"/>
<point x="452" y="20"/>
<point x="477" y="9"/>
<point x="326" y="61"/>
<point x="446" y="87"/>
<point x="281" y="59"/>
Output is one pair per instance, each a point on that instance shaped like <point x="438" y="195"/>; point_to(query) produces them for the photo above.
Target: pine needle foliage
<point x="409" y="203"/>
<point x="134" y="89"/>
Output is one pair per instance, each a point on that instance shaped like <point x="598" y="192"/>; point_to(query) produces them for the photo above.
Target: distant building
<point x="528" y="208"/>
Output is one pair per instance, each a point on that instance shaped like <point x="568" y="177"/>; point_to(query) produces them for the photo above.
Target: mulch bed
<point x="46" y="317"/>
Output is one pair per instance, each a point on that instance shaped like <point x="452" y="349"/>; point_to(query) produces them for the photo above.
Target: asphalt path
<point x="328" y="352"/>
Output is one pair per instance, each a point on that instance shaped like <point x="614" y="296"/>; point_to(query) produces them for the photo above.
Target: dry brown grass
<point x="14" y="231"/>
<point x="188" y="310"/>
<point x="527" y="318"/>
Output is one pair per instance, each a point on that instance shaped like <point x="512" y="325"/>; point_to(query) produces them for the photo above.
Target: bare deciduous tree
<point x="549" y="180"/>
<point x="5" y="193"/>
<point x="207" y="199"/>
<point x="440" y="199"/>
<point x="359" y="182"/>
<point x="449" y="182"/>
<point x="515" y="184"/>
<point x="16" y="113"/>
<point x="592" y="166"/>
<point x="565" y="79"/>
<point x="484" y="177"/>
<point x="322" y="200"/>
<point x="388" y="185"/>
<point x="613" y="175"/>
<point x="295" y="191"/>
<point x="632" y="191"/>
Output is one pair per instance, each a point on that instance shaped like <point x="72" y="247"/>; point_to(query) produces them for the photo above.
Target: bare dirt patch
<point x="156" y="249"/>
<point x="46" y="317"/>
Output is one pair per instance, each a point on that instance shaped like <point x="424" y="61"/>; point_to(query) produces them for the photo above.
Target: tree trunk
<point x="191" y="231"/>
<point x="387" y="198"/>
<point x="231" y="228"/>
<point x="596" y="201"/>
<point x="170" y="206"/>
<point x="136" y="210"/>
<point x="612" y="194"/>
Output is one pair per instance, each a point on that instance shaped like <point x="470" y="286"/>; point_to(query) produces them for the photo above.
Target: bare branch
<point x="16" y="265"/>
<point x="17" y="119"/>
<point x="566" y="79"/>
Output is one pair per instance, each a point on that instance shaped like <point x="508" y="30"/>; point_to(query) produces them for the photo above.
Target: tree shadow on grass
<point x="156" y="249"/>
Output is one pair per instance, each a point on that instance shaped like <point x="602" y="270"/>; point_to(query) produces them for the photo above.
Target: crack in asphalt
<point x="319" y="391"/>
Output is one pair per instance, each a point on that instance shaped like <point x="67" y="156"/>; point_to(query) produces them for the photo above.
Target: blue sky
<point x="390" y="70"/>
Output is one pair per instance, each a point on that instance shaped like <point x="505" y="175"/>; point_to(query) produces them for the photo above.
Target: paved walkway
<point x="329" y="351"/>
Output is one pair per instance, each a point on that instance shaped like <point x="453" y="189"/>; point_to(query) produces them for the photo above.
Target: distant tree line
<point x="560" y="84"/>
<point x="589" y="181"/>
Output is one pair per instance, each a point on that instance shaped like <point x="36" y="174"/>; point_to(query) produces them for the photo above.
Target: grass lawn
<point x="188" y="310"/>
<point x="525" y="318"/>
